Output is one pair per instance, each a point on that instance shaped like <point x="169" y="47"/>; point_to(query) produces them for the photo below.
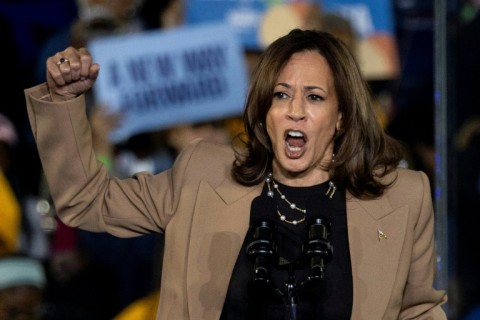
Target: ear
<point x="339" y="124"/>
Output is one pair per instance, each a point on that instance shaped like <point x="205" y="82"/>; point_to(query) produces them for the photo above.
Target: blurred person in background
<point x="10" y="208"/>
<point x="21" y="224"/>
<point x="10" y="215"/>
<point x="22" y="284"/>
<point x="414" y="126"/>
<point x="78" y="286"/>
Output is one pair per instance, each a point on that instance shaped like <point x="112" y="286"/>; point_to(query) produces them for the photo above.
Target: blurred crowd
<point x="51" y="271"/>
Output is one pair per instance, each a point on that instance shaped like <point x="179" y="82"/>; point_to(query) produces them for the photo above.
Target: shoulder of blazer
<point x="202" y="160"/>
<point x="408" y="187"/>
<point x="212" y="163"/>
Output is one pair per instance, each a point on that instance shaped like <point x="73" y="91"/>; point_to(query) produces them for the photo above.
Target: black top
<point x="288" y="286"/>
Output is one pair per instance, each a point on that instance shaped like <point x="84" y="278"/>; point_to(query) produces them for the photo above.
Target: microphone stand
<point x="317" y="252"/>
<point x="291" y="301"/>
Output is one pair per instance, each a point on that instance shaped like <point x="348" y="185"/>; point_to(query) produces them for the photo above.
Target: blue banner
<point x="159" y="79"/>
<point x="246" y="16"/>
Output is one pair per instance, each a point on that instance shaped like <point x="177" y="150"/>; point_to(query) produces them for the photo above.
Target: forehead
<point x="307" y="58"/>
<point x="20" y="295"/>
<point x="307" y="65"/>
<point x="22" y="302"/>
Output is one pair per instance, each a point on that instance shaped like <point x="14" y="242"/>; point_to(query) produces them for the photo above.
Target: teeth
<point x="295" y="134"/>
<point x="292" y="148"/>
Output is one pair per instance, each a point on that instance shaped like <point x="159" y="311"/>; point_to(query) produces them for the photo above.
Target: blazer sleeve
<point x="421" y="300"/>
<point x="84" y="194"/>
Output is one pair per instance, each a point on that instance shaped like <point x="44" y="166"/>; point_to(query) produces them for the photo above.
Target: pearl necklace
<point x="271" y="184"/>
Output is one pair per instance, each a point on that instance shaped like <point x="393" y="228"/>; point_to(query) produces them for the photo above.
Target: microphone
<point x="262" y="248"/>
<point x="317" y="249"/>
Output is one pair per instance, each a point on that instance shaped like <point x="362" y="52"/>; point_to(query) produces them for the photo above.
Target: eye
<point x="280" y="95"/>
<point x="315" y="97"/>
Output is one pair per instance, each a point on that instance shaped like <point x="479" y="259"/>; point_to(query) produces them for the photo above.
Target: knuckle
<point x="86" y="60"/>
<point x="75" y="64"/>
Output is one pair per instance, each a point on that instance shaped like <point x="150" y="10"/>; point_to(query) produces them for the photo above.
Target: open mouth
<point x="295" y="140"/>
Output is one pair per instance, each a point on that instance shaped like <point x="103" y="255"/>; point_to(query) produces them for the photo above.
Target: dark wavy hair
<point x="363" y="151"/>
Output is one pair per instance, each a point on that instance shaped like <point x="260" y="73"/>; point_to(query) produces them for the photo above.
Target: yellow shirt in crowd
<point x="10" y="216"/>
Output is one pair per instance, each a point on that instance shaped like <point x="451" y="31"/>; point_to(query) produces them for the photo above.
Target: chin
<point x="293" y="169"/>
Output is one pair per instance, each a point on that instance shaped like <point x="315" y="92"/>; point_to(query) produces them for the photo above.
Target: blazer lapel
<point x="376" y="236"/>
<point x="220" y="222"/>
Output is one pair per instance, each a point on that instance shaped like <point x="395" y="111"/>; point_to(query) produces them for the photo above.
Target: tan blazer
<point x="205" y="217"/>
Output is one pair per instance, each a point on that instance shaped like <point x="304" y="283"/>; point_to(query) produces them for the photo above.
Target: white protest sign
<point x="158" y="79"/>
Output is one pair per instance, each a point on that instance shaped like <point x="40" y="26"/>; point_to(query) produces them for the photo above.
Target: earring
<point x="331" y="189"/>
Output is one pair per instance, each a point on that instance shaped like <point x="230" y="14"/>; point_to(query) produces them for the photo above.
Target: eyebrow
<point x="308" y="88"/>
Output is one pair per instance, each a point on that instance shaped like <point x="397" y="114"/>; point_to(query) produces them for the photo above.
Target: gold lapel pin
<point x="381" y="235"/>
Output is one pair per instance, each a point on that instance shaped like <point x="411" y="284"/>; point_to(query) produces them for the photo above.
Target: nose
<point x="296" y="110"/>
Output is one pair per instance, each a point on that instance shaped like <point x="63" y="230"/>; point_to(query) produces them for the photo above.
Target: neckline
<point x="304" y="191"/>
